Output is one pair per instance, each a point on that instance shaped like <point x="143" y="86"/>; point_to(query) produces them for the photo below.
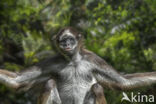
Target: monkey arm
<point x="8" y="78"/>
<point x="35" y="74"/>
<point x="16" y="80"/>
<point x="140" y="75"/>
<point x="107" y="76"/>
<point x="142" y="79"/>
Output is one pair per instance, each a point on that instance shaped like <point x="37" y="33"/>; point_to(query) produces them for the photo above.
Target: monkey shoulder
<point x="94" y="59"/>
<point x="56" y="60"/>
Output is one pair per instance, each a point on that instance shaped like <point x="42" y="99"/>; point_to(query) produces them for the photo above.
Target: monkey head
<point x="68" y="40"/>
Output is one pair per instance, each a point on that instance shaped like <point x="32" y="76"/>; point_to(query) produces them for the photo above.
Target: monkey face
<point x="68" y="43"/>
<point x="68" y="40"/>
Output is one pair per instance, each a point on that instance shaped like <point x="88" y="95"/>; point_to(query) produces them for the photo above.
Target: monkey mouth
<point x="68" y="49"/>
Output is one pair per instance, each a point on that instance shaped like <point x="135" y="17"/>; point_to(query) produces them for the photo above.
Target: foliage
<point x="122" y="32"/>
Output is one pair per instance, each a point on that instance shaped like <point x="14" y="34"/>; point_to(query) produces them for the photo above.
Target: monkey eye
<point x="71" y="39"/>
<point x="62" y="41"/>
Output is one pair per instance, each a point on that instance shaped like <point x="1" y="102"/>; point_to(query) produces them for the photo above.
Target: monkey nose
<point x="67" y="44"/>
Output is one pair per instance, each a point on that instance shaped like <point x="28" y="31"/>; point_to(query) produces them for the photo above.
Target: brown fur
<point x="99" y="93"/>
<point x="8" y="73"/>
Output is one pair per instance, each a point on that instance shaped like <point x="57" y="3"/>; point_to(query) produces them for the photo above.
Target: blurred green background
<point x="123" y="32"/>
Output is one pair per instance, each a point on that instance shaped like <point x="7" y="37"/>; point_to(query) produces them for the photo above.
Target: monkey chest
<point x="76" y="81"/>
<point x="77" y="73"/>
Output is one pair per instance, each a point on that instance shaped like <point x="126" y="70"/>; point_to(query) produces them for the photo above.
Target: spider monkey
<point x="71" y="76"/>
